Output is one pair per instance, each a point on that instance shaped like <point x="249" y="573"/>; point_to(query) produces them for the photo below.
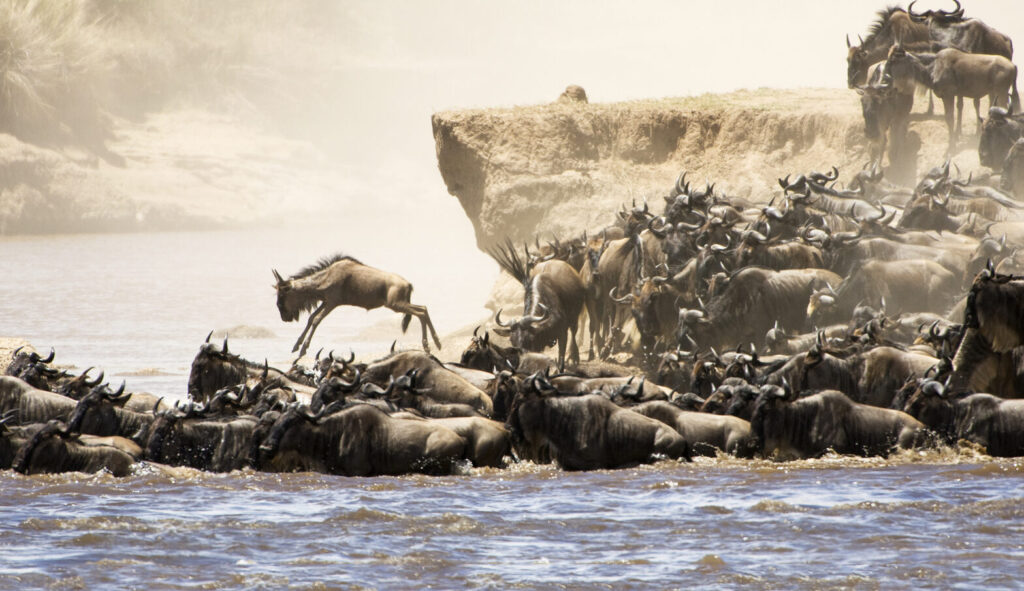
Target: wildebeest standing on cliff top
<point x="341" y="280"/>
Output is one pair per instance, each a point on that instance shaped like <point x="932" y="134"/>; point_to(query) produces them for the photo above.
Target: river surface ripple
<point x="914" y="521"/>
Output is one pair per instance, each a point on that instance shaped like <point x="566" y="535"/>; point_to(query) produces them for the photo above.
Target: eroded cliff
<point x="564" y="167"/>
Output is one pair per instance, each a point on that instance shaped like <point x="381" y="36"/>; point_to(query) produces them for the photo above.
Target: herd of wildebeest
<point x="851" y="316"/>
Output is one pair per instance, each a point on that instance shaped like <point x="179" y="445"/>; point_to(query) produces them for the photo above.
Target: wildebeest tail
<point x="405" y="322"/>
<point x="509" y="260"/>
<point x="1014" y="97"/>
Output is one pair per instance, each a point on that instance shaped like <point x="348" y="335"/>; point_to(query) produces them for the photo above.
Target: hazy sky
<point x="395" y="63"/>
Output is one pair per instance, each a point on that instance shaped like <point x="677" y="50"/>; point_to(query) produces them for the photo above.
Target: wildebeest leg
<point x="314" y="321"/>
<point x="977" y="109"/>
<point x="420" y="312"/>
<point x="561" y="352"/>
<point x="947" y="105"/>
<point x="959" y="116"/>
<point x="309" y="323"/>
<point x="574" y="350"/>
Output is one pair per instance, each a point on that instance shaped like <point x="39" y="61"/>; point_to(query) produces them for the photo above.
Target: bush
<point x="52" y="61"/>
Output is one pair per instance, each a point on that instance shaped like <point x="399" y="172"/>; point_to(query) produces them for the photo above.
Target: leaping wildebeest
<point x="341" y="280"/>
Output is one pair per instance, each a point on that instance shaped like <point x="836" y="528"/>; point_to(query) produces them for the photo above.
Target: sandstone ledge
<point x="561" y="168"/>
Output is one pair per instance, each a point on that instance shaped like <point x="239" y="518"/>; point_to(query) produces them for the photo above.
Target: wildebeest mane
<point x="322" y="264"/>
<point x="510" y="262"/>
<point x="995" y="307"/>
<point x="881" y="22"/>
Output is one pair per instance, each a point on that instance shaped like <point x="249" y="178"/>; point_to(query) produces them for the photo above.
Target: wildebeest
<point x="994" y="322"/>
<point x="589" y="432"/>
<point x="444" y="385"/>
<point x="903" y="286"/>
<point x="215" y="368"/>
<point x="1012" y="179"/>
<point x="32" y="405"/>
<point x="101" y="412"/>
<point x="487" y="441"/>
<point x="706" y="433"/>
<point x="753" y="300"/>
<point x="868" y="377"/>
<point x="53" y="450"/>
<point x="886" y="113"/>
<point x="34" y="369"/>
<point x="949" y="28"/>
<point x="786" y="427"/>
<point x="998" y="134"/>
<point x="892" y="25"/>
<point x="552" y="303"/>
<point x="994" y="423"/>
<point x="953" y="74"/>
<point x="188" y="438"/>
<point x="341" y="280"/>
<point x="359" y="441"/>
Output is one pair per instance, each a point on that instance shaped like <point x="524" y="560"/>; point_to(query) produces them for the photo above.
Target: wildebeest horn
<point x="956" y="12"/>
<point x="626" y="299"/>
<point x="49" y="357"/>
<point x="375" y="390"/>
<point x="393" y="343"/>
<point x="9" y="416"/>
<point x="497" y="320"/>
<point x="681" y="183"/>
<point x="208" y="335"/>
<point x="278" y="277"/>
<point x="543" y="314"/>
<point x="475" y="330"/>
<point x="350" y="385"/>
<point x="848" y="41"/>
<point x="93" y="383"/>
<point x="118" y="394"/>
<point x="659" y="232"/>
<point x="224" y="349"/>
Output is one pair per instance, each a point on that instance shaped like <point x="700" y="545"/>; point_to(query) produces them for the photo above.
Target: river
<point x="139" y="306"/>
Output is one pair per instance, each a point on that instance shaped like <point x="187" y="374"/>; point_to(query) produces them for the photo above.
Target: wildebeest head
<point x="673" y="370"/>
<point x="691" y="329"/>
<point x="486" y="356"/>
<point x="32" y="368"/>
<point x="857" y="63"/>
<point x="821" y="305"/>
<point x="876" y="104"/>
<point x="528" y="332"/>
<point x="931" y="404"/>
<point x="998" y="134"/>
<point x="646" y="303"/>
<point x="98" y="402"/>
<point x="214" y="368"/>
<point x="770" y="398"/>
<point x="289" y="304"/>
<point x="80" y="386"/>
<point x="332" y="390"/>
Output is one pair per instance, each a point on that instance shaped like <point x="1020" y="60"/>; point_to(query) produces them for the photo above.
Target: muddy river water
<point x="140" y="306"/>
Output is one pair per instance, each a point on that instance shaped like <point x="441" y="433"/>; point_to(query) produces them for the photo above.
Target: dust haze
<point x="316" y="114"/>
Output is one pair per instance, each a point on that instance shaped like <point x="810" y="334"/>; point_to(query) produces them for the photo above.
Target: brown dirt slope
<point x="561" y="168"/>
